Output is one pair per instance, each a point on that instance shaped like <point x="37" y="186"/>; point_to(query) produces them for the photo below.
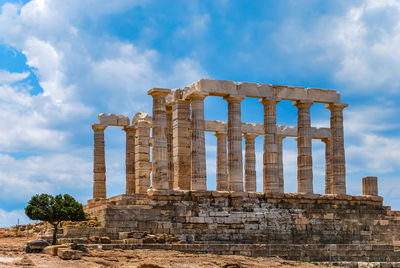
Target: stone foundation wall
<point x="229" y="217"/>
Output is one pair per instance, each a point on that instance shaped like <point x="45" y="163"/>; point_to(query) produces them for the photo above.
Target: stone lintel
<point x="113" y="120"/>
<point x="159" y="91"/>
<point x="141" y="116"/>
<point x="222" y="88"/>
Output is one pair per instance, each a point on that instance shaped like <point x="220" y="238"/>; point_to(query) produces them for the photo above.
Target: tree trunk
<point x="55" y="234"/>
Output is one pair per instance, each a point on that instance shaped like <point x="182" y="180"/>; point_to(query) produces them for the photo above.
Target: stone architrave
<point x="199" y="177"/>
<point x="99" y="163"/>
<point x="170" y="148"/>
<point x="270" y="155"/>
<point x="279" y="141"/>
<point x="181" y="144"/>
<point x="142" y="152"/>
<point x="250" y="163"/>
<point x="222" y="169"/>
<point x="338" y="160"/>
<point x="328" y="165"/>
<point x="130" y="159"/>
<point x="160" y="148"/>
<point x="304" y="147"/>
<point x="235" y="157"/>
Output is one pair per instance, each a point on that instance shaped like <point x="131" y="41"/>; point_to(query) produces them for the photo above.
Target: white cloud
<point x="6" y="77"/>
<point x="10" y="218"/>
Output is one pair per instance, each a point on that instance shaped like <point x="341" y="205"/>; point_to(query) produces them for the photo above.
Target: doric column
<point x="304" y="147"/>
<point x="142" y="125"/>
<point x="370" y="186"/>
<point x="250" y="163"/>
<point x="235" y="158"/>
<point x="99" y="163"/>
<point x="170" y="148"/>
<point x="328" y="165"/>
<point x="222" y="170"/>
<point x="270" y="155"/>
<point x="181" y="144"/>
<point x="160" y="148"/>
<point x="338" y="160"/>
<point x="279" y="141"/>
<point x="130" y="159"/>
<point x="199" y="177"/>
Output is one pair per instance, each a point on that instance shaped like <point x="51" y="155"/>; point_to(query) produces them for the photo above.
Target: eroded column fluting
<point x="130" y="159"/>
<point x="160" y="148"/>
<point x="170" y="148"/>
<point x="270" y="155"/>
<point x="181" y="144"/>
<point x="199" y="177"/>
<point x="222" y="169"/>
<point x="142" y="126"/>
<point x="99" y="163"/>
<point x="328" y="165"/>
<point x="235" y="157"/>
<point x="338" y="160"/>
<point x="250" y="163"/>
<point x="304" y="147"/>
<point x="279" y="141"/>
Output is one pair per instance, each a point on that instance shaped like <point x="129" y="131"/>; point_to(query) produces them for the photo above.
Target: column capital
<point x="128" y="128"/>
<point x="234" y="98"/>
<point x="336" y="106"/>
<point x="250" y="136"/>
<point x="269" y="100"/>
<point x="280" y="138"/>
<point x="97" y="127"/>
<point x="325" y="140"/>
<point x="303" y="103"/>
<point x="220" y="134"/>
<point x="197" y="96"/>
<point x="158" y="92"/>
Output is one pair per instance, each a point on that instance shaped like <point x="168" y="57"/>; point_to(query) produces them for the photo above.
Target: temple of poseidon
<point x="167" y="196"/>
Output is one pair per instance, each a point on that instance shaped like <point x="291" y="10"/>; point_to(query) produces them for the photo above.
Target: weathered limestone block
<point x="304" y="147"/>
<point x="250" y="163"/>
<point x="99" y="163"/>
<point x="69" y="254"/>
<point x="52" y="250"/>
<point x="160" y="147"/>
<point x="130" y="159"/>
<point x="222" y="169"/>
<point x="113" y="120"/>
<point x="235" y="158"/>
<point x="370" y="186"/>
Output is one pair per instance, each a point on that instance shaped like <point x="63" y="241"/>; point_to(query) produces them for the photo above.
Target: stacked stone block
<point x="222" y="169"/>
<point x="250" y="163"/>
<point x="142" y="123"/>
<point x="170" y="134"/>
<point x="130" y="159"/>
<point x="99" y="163"/>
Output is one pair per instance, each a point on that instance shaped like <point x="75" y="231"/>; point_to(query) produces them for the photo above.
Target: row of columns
<point x="178" y="158"/>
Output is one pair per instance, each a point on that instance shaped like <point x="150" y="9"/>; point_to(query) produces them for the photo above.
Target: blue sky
<point x="63" y="62"/>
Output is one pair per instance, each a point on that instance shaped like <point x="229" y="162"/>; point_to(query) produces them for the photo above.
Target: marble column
<point x="279" y="141"/>
<point x="181" y="144"/>
<point x="250" y="163"/>
<point x="170" y="147"/>
<point x="235" y="157"/>
<point x="338" y="160"/>
<point x="130" y="159"/>
<point x="160" y="148"/>
<point x="99" y="163"/>
<point x="328" y="165"/>
<point x="142" y="154"/>
<point x="304" y="147"/>
<point x="270" y="155"/>
<point x="199" y="177"/>
<point x="222" y="170"/>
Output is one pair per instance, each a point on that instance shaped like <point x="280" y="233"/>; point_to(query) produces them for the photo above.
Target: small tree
<point x="52" y="209"/>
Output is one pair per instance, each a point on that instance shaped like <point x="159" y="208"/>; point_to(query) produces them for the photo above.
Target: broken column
<point x="328" y="165"/>
<point x="250" y="163"/>
<point x="130" y="159"/>
<point x="222" y="170"/>
<point x="370" y="186"/>
<point x="338" y="166"/>
<point x="304" y="147"/>
<point x="170" y="148"/>
<point x="235" y="158"/>
<point x="160" y="148"/>
<point x="99" y="163"/>
<point x="279" y="141"/>
<point x="142" y="124"/>
<point x="181" y="144"/>
<point x="270" y="155"/>
<point x="199" y="177"/>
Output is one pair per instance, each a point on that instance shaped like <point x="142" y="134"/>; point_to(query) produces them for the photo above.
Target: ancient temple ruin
<point x="169" y="193"/>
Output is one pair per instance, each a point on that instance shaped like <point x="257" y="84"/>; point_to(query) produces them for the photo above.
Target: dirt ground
<point x="11" y="255"/>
